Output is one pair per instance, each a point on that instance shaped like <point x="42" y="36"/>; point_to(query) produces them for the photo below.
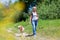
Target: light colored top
<point x="34" y="16"/>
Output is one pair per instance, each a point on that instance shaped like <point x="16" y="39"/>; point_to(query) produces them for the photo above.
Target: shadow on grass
<point x="29" y="35"/>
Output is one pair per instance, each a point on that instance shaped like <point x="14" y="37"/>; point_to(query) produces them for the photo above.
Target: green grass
<point x="49" y="27"/>
<point x="45" y="27"/>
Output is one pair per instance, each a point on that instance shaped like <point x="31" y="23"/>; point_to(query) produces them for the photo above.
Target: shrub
<point x="49" y="10"/>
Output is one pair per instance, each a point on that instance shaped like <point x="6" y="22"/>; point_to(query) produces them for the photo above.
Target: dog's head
<point x="21" y="28"/>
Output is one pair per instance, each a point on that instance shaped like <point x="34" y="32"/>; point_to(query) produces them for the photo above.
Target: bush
<point x="48" y="10"/>
<point x="21" y="17"/>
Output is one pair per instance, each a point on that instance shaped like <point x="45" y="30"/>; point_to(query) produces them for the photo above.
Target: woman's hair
<point x="34" y="9"/>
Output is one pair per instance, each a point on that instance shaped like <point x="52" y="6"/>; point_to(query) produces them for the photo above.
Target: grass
<point x="45" y="28"/>
<point x="50" y="27"/>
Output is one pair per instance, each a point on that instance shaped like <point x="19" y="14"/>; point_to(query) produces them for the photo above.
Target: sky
<point x="3" y="1"/>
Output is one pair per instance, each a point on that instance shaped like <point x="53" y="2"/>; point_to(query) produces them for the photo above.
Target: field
<point x="46" y="30"/>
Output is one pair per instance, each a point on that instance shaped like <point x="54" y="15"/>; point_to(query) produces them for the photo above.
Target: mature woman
<point x="34" y="19"/>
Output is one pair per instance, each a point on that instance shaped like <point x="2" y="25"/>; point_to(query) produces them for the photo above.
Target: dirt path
<point x="12" y="36"/>
<point x="36" y="38"/>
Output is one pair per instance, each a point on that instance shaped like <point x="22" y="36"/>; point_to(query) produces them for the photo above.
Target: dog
<point x="21" y="28"/>
<point x="22" y="33"/>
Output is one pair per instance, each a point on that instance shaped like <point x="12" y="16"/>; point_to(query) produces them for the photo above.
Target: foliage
<point x="49" y="9"/>
<point x="22" y="17"/>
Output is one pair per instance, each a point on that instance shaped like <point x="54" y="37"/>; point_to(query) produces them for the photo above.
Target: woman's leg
<point x="33" y="25"/>
<point x="36" y="22"/>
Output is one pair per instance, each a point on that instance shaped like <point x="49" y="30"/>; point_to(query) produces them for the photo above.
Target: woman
<point x="34" y="20"/>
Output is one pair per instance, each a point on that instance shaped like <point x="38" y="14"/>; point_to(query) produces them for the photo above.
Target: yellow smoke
<point x="1" y="5"/>
<point x="8" y="15"/>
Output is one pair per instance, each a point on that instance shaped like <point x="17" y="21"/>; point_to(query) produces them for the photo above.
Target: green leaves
<point x="49" y="10"/>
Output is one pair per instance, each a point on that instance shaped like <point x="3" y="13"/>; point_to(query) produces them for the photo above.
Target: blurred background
<point x="17" y="12"/>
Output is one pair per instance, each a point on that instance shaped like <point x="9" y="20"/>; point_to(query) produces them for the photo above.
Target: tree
<point x="49" y="9"/>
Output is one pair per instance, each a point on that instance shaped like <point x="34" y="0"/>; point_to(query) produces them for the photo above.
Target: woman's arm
<point x="30" y="18"/>
<point x="37" y="16"/>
